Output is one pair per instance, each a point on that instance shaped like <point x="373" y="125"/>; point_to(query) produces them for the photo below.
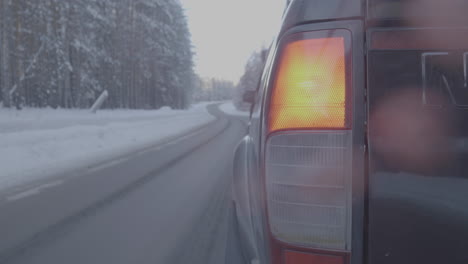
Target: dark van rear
<point x="357" y="150"/>
<point x="418" y="132"/>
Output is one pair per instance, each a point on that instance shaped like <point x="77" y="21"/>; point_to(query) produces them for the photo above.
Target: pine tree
<point x="64" y="53"/>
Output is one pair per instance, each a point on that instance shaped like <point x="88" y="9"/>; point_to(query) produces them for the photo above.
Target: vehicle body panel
<point x="305" y="11"/>
<point x="422" y="12"/>
<point x="255" y="153"/>
<point x="418" y="212"/>
<point x="399" y="216"/>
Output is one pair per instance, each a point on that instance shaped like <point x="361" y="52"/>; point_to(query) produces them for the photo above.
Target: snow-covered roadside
<point x="38" y="143"/>
<point x="12" y="120"/>
<point x="230" y="109"/>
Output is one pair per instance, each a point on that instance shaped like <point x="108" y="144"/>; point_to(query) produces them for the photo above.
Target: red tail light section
<point x="294" y="257"/>
<point x="308" y="150"/>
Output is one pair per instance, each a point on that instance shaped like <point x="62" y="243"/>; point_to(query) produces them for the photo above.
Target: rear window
<point x="397" y="9"/>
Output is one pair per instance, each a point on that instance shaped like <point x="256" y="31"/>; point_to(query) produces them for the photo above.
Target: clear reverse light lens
<point x="308" y="188"/>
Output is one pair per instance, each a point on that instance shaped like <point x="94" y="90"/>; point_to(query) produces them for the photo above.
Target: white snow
<point x="230" y="109"/>
<point x="39" y="143"/>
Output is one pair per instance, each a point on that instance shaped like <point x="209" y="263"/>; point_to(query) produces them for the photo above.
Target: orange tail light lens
<point x="310" y="88"/>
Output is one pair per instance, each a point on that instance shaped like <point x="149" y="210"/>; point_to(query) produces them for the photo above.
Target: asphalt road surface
<point x="168" y="203"/>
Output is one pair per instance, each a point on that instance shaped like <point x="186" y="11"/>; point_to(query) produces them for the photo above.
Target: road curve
<point x="166" y="204"/>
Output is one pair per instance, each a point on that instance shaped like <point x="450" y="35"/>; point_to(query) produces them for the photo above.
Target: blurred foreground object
<point x="409" y="136"/>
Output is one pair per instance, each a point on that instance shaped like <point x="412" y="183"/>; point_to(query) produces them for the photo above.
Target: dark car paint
<point x="304" y="11"/>
<point x="358" y="113"/>
<point x="248" y="182"/>
<point x="417" y="215"/>
<point x="430" y="12"/>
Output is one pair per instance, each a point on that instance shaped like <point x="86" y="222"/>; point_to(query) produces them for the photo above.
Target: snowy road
<point x="166" y="204"/>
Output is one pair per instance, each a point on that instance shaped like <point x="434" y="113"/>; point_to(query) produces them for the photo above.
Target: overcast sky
<point x="226" y="32"/>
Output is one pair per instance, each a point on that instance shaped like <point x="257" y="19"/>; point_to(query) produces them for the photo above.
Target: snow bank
<point x="34" y="119"/>
<point x="37" y="143"/>
<point x="230" y="109"/>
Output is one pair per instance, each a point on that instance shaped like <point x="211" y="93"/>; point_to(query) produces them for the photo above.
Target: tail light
<point x="308" y="154"/>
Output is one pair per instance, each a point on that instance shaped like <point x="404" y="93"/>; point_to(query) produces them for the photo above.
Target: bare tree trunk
<point x="2" y="95"/>
<point x="5" y="51"/>
<point x="17" y="94"/>
<point x="132" y="43"/>
<point x="64" y="16"/>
